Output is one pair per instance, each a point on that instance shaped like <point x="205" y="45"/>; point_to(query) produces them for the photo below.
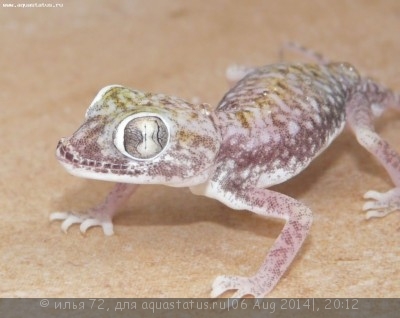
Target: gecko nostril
<point x="60" y="149"/>
<point x="61" y="143"/>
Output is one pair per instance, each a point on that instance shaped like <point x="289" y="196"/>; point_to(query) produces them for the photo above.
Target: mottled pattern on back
<point x="282" y="116"/>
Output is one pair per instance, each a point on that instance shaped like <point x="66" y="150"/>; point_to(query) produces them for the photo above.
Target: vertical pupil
<point x="145" y="136"/>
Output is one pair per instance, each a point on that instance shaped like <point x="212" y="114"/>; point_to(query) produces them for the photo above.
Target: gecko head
<point x="135" y="137"/>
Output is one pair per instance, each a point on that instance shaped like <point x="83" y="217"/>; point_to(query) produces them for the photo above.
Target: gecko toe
<point x="239" y="294"/>
<point x="107" y="226"/>
<point x="242" y="285"/>
<point x="376" y="214"/>
<point x="374" y="195"/>
<point x="85" y="222"/>
<point x="235" y="73"/>
<point x="70" y="220"/>
<point x="381" y="204"/>
<point x="218" y="286"/>
<point x="370" y="205"/>
<point x="57" y="216"/>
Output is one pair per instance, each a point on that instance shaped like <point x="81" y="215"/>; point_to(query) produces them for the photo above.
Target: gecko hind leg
<point x="234" y="73"/>
<point x="298" y="222"/>
<point x="360" y="116"/>
<point x="98" y="216"/>
<point x="302" y="50"/>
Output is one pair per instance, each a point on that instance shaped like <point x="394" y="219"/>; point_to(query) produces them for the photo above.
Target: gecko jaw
<point x="106" y="170"/>
<point x="81" y="166"/>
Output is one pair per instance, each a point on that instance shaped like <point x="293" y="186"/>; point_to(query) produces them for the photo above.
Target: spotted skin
<point x="281" y="117"/>
<point x="267" y="128"/>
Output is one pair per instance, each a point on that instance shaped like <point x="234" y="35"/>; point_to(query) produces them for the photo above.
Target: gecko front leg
<point x="100" y="215"/>
<point x="273" y="204"/>
<point x="360" y="115"/>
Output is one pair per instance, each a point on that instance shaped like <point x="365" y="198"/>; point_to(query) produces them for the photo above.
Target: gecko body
<point x="267" y="128"/>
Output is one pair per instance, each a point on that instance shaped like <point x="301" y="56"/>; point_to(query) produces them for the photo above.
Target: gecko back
<point x="282" y="116"/>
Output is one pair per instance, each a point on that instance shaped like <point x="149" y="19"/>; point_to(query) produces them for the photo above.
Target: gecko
<point x="269" y="126"/>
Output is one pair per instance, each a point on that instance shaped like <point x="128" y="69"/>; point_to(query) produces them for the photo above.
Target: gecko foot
<point x="85" y="222"/>
<point x="235" y="73"/>
<point x="242" y="285"/>
<point x="381" y="204"/>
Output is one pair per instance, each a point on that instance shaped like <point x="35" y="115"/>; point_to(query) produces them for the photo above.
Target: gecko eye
<point x="141" y="136"/>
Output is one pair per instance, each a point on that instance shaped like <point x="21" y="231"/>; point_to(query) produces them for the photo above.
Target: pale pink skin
<point x="266" y="129"/>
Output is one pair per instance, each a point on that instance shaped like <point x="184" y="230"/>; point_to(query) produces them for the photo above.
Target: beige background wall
<point x="169" y="243"/>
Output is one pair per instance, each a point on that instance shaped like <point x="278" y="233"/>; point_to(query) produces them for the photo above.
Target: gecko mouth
<point x="70" y="160"/>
